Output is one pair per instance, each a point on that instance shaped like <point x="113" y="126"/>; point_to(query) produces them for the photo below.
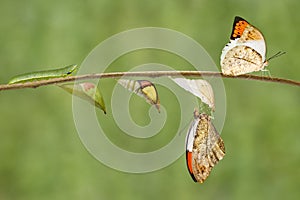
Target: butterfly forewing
<point x="238" y="27"/>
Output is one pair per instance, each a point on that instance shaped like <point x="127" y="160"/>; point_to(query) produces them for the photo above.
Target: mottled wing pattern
<point x="241" y="60"/>
<point x="208" y="148"/>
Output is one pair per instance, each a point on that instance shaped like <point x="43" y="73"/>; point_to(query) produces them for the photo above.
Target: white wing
<point x="199" y="88"/>
<point x="191" y="134"/>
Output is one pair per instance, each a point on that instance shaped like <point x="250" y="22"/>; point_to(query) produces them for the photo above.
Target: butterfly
<point x="204" y="147"/>
<point x="246" y="51"/>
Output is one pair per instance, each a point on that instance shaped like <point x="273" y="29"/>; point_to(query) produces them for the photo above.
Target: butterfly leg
<point x="265" y="72"/>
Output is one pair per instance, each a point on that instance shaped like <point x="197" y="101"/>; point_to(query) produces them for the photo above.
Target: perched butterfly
<point x="142" y="88"/>
<point x="246" y="51"/>
<point x="204" y="147"/>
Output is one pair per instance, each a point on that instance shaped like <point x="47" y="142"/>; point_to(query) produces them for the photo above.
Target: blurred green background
<point x="41" y="155"/>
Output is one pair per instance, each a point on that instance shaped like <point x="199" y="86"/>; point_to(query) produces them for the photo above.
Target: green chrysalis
<point x="44" y="75"/>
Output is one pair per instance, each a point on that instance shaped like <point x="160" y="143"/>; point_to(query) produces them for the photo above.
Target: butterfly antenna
<point x="280" y="53"/>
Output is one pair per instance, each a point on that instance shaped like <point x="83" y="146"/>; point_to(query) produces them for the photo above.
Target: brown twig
<point x="153" y="74"/>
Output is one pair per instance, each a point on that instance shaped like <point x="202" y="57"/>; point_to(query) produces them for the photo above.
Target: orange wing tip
<point x="189" y="159"/>
<point x="238" y="28"/>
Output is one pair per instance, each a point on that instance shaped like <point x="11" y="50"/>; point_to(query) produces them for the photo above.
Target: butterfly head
<point x="280" y="53"/>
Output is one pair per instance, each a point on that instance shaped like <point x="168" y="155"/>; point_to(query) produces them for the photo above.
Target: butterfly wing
<point x="200" y="165"/>
<point x="189" y="146"/>
<point x="215" y="145"/>
<point x="242" y="59"/>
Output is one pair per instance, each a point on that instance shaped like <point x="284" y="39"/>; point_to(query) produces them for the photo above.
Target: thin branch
<point x="152" y="74"/>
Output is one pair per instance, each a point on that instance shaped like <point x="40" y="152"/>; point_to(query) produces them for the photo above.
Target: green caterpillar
<point x="44" y="75"/>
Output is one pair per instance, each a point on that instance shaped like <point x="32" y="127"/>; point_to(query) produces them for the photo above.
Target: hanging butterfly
<point x="246" y="51"/>
<point x="204" y="147"/>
